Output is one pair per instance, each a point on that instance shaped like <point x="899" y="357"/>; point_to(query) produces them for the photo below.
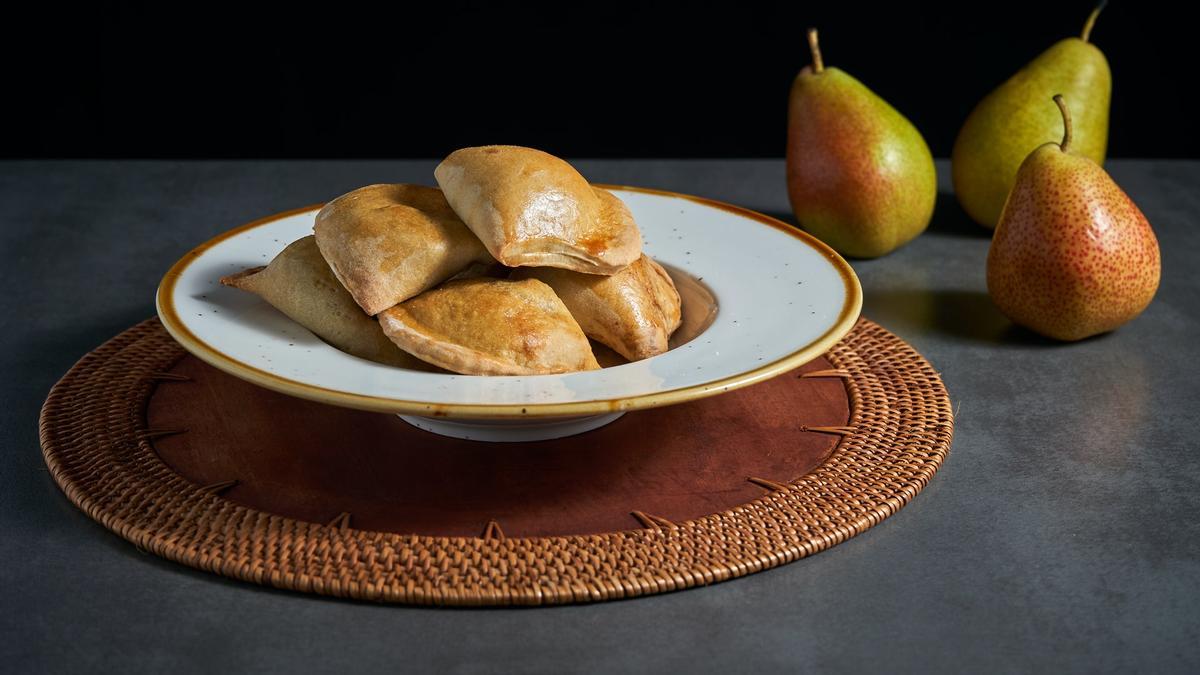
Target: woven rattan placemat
<point x="101" y="451"/>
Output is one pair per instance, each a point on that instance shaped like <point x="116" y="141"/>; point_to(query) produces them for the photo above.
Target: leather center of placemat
<point x="313" y="462"/>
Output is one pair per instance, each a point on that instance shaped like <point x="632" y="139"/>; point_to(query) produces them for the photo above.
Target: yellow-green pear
<point x="1014" y="120"/>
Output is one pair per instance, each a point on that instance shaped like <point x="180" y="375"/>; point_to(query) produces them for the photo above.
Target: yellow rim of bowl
<point x="851" y="306"/>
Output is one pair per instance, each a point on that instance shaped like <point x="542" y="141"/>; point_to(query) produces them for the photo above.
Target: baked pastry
<point x="387" y="243"/>
<point x="633" y="311"/>
<point x="486" y="326"/>
<point x="300" y="284"/>
<point x="531" y="208"/>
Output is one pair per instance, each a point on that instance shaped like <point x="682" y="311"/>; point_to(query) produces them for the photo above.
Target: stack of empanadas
<point x="433" y="266"/>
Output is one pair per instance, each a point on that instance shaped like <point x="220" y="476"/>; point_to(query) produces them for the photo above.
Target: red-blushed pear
<point x="1072" y="255"/>
<point x="860" y="176"/>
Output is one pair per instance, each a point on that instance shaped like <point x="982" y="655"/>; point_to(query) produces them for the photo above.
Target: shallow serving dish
<point x="782" y="298"/>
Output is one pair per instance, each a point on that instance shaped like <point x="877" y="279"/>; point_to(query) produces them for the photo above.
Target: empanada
<point x="300" y="284"/>
<point x="387" y="243"/>
<point x="488" y="326"/>
<point x="533" y="209"/>
<point x="633" y="311"/>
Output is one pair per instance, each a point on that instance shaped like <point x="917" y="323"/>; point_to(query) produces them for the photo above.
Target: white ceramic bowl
<point x="783" y="298"/>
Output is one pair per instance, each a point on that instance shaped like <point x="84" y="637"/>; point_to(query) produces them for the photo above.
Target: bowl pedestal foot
<point x="510" y="431"/>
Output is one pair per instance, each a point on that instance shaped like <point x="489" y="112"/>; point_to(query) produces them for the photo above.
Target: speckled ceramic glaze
<point x="782" y="298"/>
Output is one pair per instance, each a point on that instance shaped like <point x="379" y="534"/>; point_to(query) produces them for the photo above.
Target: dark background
<point x="700" y="79"/>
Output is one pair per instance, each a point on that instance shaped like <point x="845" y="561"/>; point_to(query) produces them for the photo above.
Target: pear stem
<point x="1091" y="21"/>
<point x="1066" y="115"/>
<point x="818" y="64"/>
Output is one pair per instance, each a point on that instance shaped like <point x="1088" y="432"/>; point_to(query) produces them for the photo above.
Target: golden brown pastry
<point x="300" y="284"/>
<point x="533" y="209"/>
<point x="633" y="311"/>
<point x="489" y="326"/>
<point x="387" y="243"/>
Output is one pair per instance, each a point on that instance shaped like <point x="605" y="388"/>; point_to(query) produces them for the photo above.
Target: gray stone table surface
<point x="1062" y="534"/>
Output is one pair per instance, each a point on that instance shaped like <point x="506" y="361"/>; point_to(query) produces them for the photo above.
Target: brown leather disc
<point x="312" y="462"/>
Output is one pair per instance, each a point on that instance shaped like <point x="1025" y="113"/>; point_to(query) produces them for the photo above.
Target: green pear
<point x="860" y="176"/>
<point x="1013" y="120"/>
<point x="1072" y="255"/>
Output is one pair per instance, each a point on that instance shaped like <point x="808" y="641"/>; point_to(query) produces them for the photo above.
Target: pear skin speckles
<point x="1072" y="255"/>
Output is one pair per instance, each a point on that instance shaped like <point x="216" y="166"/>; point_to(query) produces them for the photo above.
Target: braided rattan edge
<point x="92" y="418"/>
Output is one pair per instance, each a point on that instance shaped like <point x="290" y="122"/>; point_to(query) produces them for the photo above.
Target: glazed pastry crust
<point x="485" y="326"/>
<point x="530" y="208"/>
<point x="387" y="243"/>
<point x="300" y="284"/>
<point x="634" y="311"/>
